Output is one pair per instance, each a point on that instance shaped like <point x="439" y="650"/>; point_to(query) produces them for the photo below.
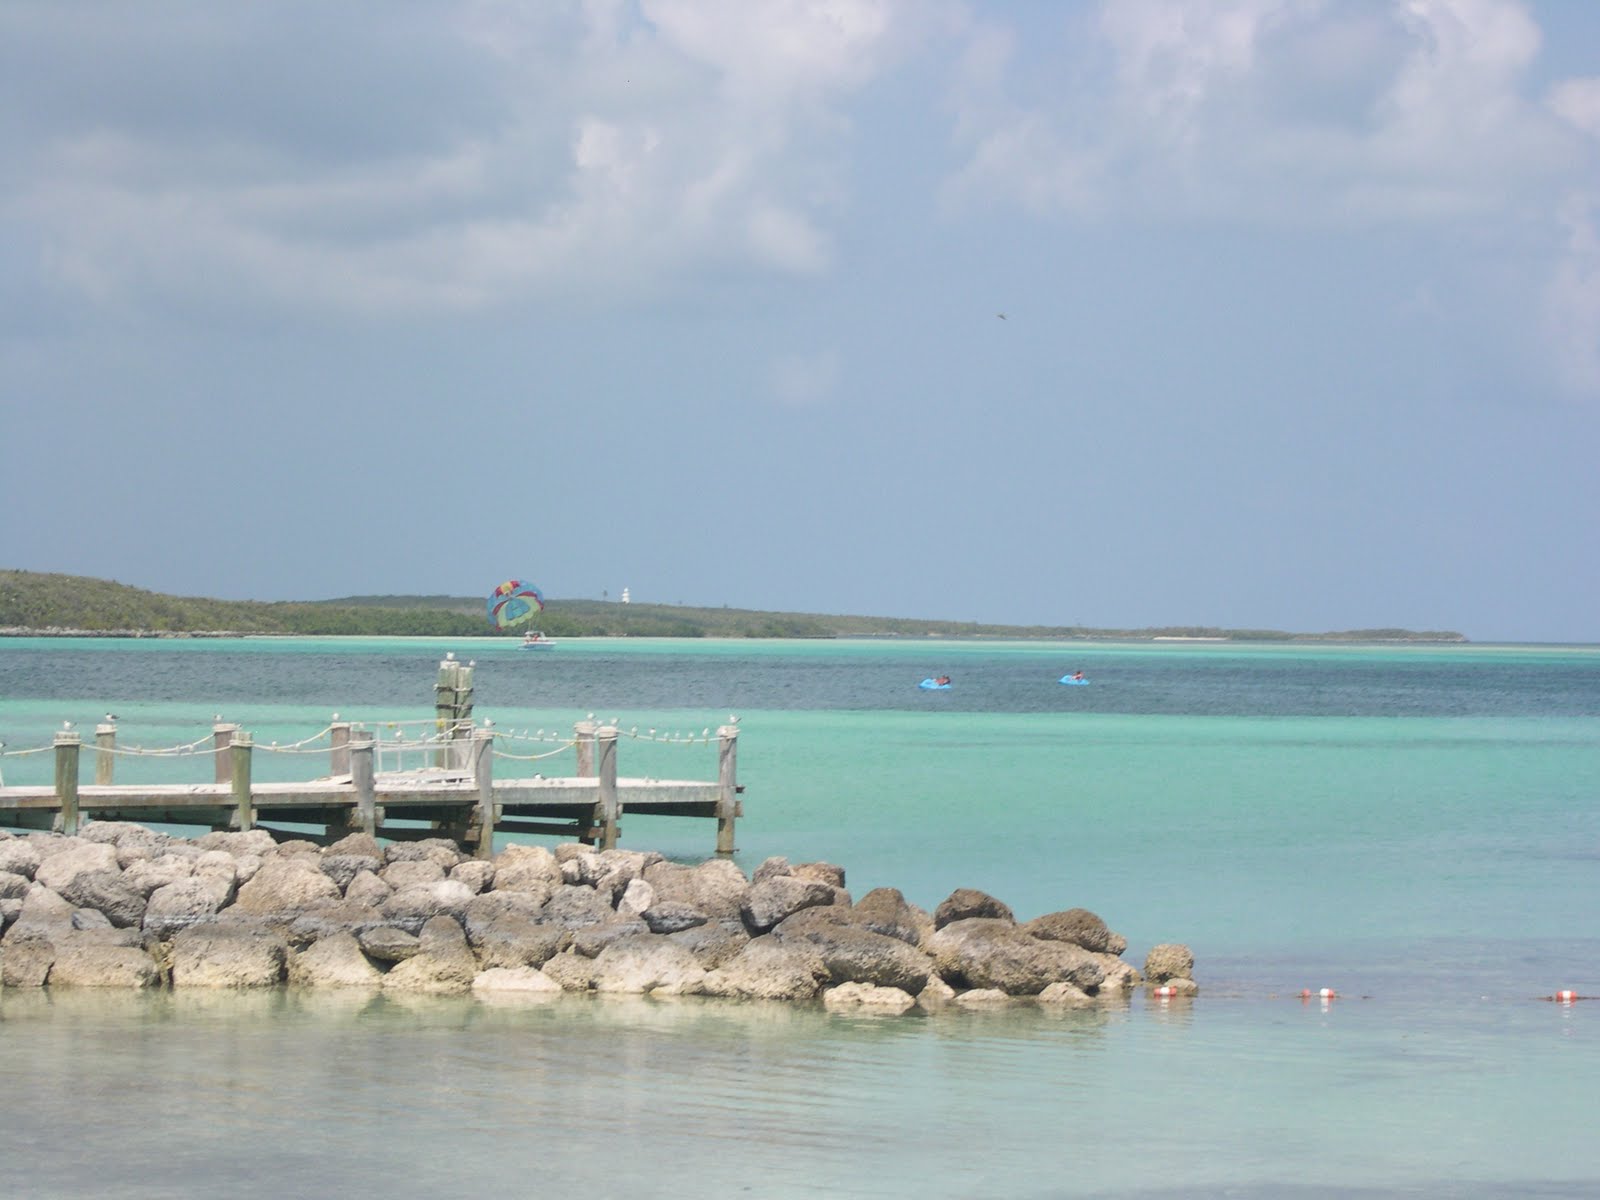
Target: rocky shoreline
<point x="124" y="906"/>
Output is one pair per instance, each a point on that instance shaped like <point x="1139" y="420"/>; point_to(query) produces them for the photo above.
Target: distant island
<point x="34" y="603"/>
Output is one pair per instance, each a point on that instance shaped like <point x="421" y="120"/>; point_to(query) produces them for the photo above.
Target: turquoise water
<point x="1414" y="826"/>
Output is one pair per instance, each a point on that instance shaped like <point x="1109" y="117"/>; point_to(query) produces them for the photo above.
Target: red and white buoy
<point x="1165" y="991"/>
<point x="1320" y="993"/>
<point x="1565" y="997"/>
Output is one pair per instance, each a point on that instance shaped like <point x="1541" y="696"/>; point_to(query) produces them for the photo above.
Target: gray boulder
<point x="411" y="872"/>
<point x="715" y="942"/>
<point x="857" y="997"/>
<point x="108" y="893"/>
<point x="331" y="917"/>
<point x="440" y="850"/>
<point x="367" y="888"/>
<point x="853" y="954"/>
<point x="1168" y="961"/>
<point x="716" y="887"/>
<point x="284" y="888"/>
<point x="770" y="901"/>
<point x="42" y="911"/>
<point x="342" y="868"/>
<point x="520" y="868"/>
<point x="514" y="982"/>
<point x="592" y="939"/>
<point x="386" y="943"/>
<point x="13" y="886"/>
<point x="413" y="907"/>
<point x="477" y="874"/>
<point x="671" y="916"/>
<point x="25" y="961"/>
<point x="987" y="952"/>
<point x="768" y="970"/>
<point x="333" y="961"/>
<point x="443" y="963"/>
<point x="19" y="857"/>
<point x="647" y="963"/>
<point x="364" y="845"/>
<point x="574" y="906"/>
<point x="886" y="911"/>
<point x="178" y="905"/>
<point x="964" y="904"/>
<point x="227" y="955"/>
<point x="58" y="870"/>
<point x="1080" y="927"/>
<point x="103" y="958"/>
<point x="256" y="842"/>
<point x="151" y="873"/>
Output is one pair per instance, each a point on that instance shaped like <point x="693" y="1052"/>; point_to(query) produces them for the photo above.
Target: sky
<point x="1249" y="313"/>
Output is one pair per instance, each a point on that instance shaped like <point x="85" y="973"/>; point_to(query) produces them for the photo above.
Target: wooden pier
<point x="457" y="795"/>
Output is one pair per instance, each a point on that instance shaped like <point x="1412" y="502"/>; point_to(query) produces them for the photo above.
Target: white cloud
<point x="1572" y="303"/>
<point x="602" y="148"/>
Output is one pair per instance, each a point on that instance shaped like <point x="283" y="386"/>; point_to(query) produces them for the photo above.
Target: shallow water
<point x="1414" y="826"/>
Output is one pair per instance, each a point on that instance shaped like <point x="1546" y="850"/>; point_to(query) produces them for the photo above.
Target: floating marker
<point x="1566" y="997"/>
<point x="1165" y="991"/>
<point x="1320" y="993"/>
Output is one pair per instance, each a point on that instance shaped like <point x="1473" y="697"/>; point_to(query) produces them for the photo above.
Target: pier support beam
<point x="583" y="734"/>
<point x="221" y="739"/>
<point x="105" y="741"/>
<point x="480" y="834"/>
<point x="240" y="751"/>
<point x="608" y="811"/>
<point x="727" y="786"/>
<point x="362" y="779"/>
<point x="67" y="744"/>
<point x="339" y="747"/>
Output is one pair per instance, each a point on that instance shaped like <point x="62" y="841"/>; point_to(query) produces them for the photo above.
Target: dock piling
<point x="608" y="810"/>
<point x="727" y="786"/>
<point x="105" y="741"/>
<point x="67" y="744"/>
<point x="240" y="749"/>
<point x="363" y="780"/>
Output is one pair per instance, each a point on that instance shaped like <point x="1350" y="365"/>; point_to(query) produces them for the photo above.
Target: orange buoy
<point x="1164" y="991"/>
<point x="1321" y="993"/>
<point x="1566" y="997"/>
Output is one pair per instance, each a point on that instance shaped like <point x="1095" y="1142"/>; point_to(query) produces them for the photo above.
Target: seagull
<point x="1002" y="316"/>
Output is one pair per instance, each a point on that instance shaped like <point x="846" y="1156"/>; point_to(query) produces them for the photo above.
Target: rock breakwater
<point x="125" y="906"/>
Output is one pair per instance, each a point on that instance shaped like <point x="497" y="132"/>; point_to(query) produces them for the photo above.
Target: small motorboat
<point x="537" y="641"/>
<point x="941" y="684"/>
<point x="1074" y="680"/>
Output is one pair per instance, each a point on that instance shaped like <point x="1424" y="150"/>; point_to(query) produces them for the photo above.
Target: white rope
<point x="4" y="753"/>
<point x="535" y="757"/>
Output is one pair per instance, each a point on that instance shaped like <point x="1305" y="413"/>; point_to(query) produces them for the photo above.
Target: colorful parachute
<point x="513" y="602"/>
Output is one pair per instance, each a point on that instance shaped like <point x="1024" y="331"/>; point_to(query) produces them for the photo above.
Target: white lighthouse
<point x="624" y="595"/>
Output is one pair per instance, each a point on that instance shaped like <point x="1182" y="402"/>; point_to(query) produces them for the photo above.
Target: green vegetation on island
<point x="33" y="602"/>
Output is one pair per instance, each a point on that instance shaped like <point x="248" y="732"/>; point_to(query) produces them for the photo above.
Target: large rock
<point x="363" y="845"/>
<point x="573" y="906"/>
<point x="332" y="917"/>
<point x="285" y="888"/>
<point x="19" y="857"/>
<point x="108" y="893"/>
<point x="342" y="868"/>
<point x="716" y="887"/>
<point x="389" y="944"/>
<point x="411" y="872"/>
<point x="886" y="911"/>
<point x="770" y="901"/>
<point x="855" y="997"/>
<point x="440" y="850"/>
<point x="413" y="907"/>
<point x="103" y="958"/>
<point x="443" y="963"/>
<point x="13" y="886"/>
<point x="151" y="873"/>
<point x="226" y="874"/>
<point x="25" y="960"/>
<point x="635" y="898"/>
<point x="768" y="970"/>
<point x="475" y="873"/>
<point x="964" y="904"/>
<point x="333" y="961"/>
<point x="180" y="904"/>
<point x="1080" y="927"/>
<point x="591" y="940"/>
<point x="257" y="842"/>
<point x="1170" y="960"/>
<point x="619" y="868"/>
<point x="670" y="916"/>
<point x="59" y="870"/>
<point x="715" y="942"/>
<point x="367" y="888"/>
<point x="532" y="869"/>
<point x="42" y="912"/>
<point x="992" y="953"/>
<point x="515" y="981"/>
<point x="853" y="954"/>
<point x="227" y="955"/>
<point x="647" y="963"/>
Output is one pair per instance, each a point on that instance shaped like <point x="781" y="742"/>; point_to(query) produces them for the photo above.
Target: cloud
<point x="586" y="148"/>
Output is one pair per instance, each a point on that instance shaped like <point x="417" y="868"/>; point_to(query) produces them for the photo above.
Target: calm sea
<point x="1416" y="827"/>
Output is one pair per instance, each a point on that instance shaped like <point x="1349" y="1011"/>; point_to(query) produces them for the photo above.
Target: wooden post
<point x="362" y="780"/>
<point x="105" y="741"/>
<point x="67" y="745"/>
<point x="727" y="786"/>
<point x="221" y="738"/>
<point x="339" y="748"/>
<point x="608" y="811"/>
<point x="461" y="730"/>
<point x="240" y="749"/>
<point x="444" y="706"/>
<point x="583" y="731"/>
<point x="483" y="776"/>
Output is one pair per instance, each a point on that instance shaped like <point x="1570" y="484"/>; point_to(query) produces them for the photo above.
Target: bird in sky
<point x="1002" y="316"/>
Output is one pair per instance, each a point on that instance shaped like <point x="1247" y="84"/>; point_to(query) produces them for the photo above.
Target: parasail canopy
<point x="513" y="602"/>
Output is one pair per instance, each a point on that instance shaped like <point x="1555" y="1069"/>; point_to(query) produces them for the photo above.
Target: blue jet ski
<point x="933" y="685"/>
<point x="1068" y="679"/>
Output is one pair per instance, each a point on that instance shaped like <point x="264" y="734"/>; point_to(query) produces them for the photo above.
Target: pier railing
<point x="397" y="780"/>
